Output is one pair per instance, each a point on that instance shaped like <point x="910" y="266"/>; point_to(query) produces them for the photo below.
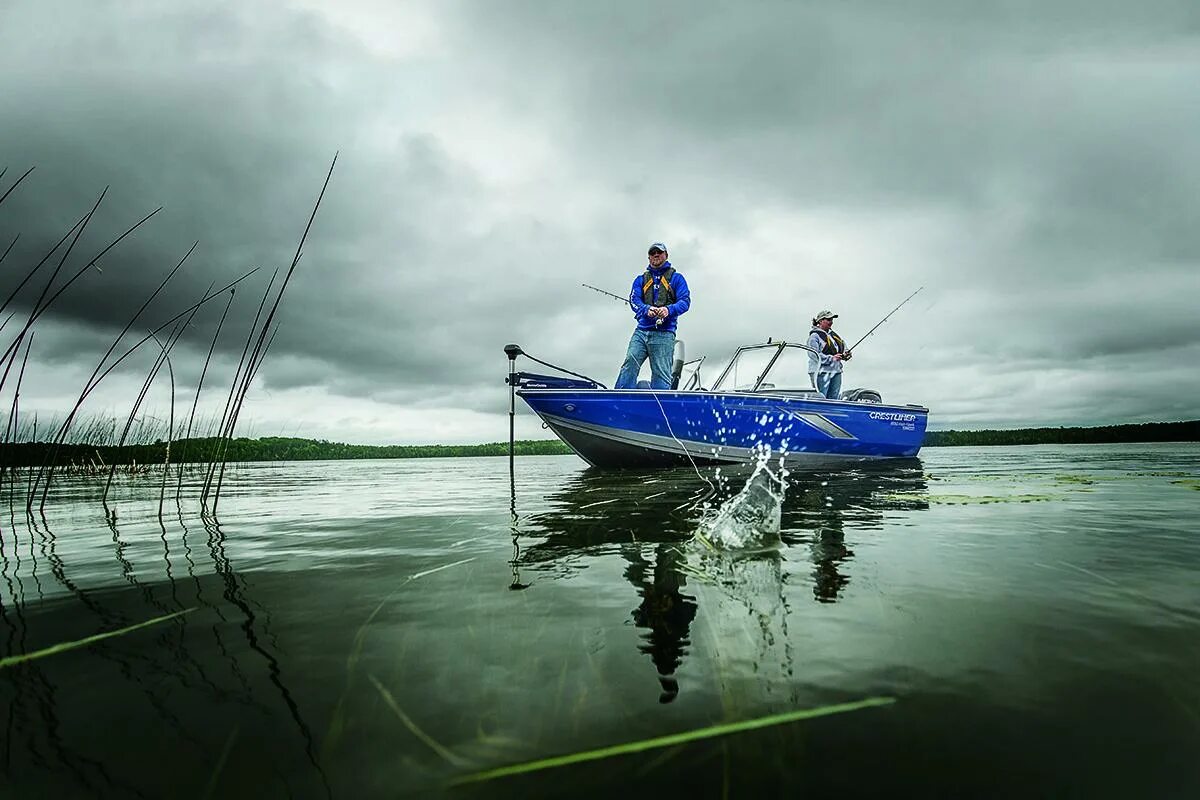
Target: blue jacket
<point x="683" y="300"/>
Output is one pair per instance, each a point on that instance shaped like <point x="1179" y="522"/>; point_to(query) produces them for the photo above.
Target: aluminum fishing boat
<point x="762" y="401"/>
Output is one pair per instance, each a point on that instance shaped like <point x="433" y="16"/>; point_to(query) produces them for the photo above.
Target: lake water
<point x="1025" y="620"/>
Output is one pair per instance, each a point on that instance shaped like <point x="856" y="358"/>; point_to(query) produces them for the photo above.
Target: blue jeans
<point x="829" y="384"/>
<point x="659" y="347"/>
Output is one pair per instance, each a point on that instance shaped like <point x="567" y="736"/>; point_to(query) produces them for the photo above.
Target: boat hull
<point x="641" y="428"/>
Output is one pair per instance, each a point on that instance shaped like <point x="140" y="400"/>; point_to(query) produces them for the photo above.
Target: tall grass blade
<point x="220" y="766"/>
<point x="673" y="739"/>
<point x="11" y="661"/>
<point x="432" y="744"/>
<point x="13" y="188"/>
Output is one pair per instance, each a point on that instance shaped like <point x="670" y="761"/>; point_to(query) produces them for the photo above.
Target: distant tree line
<point x="278" y="448"/>
<point x="269" y="448"/>
<point x="1145" y="432"/>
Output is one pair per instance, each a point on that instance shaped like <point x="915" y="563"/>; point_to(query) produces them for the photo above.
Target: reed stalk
<point x="13" y="188"/>
<point x="98" y="376"/>
<point x="8" y="249"/>
<point x="199" y="387"/>
<point x="218" y="449"/>
<point x="260" y="346"/>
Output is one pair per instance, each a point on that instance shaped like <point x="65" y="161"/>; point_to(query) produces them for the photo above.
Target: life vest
<point x="833" y="343"/>
<point x="664" y="280"/>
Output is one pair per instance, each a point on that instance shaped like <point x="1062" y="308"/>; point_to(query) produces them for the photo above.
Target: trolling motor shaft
<point x="512" y="351"/>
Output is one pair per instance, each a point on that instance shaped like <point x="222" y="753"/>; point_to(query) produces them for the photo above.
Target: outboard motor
<point x="862" y="396"/>
<point x="677" y="364"/>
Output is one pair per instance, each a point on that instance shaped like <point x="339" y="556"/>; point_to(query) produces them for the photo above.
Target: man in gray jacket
<point x="825" y="364"/>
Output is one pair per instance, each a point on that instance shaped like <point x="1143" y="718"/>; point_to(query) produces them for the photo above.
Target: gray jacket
<point x="818" y="361"/>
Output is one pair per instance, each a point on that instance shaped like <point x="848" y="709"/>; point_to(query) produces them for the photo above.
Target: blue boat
<point x="762" y="402"/>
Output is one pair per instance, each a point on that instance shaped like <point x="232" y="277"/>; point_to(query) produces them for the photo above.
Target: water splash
<point x="752" y="516"/>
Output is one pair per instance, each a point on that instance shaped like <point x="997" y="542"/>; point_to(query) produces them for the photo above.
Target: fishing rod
<point x="624" y="300"/>
<point x="885" y="319"/>
<point x="610" y="294"/>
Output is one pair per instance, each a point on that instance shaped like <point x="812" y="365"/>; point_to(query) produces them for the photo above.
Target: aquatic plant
<point x="675" y="739"/>
<point x="62" y="647"/>
<point x="40" y="299"/>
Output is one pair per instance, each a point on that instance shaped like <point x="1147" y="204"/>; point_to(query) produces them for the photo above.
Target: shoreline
<point x="89" y="457"/>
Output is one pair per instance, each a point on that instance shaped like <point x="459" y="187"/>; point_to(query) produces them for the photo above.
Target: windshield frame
<point x="779" y="348"/>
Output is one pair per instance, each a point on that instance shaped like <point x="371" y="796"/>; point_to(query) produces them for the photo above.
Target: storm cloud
<point x="1035" y="166"/>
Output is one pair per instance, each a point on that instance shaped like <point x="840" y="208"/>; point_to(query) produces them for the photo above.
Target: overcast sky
<point x="1034" y="165"/>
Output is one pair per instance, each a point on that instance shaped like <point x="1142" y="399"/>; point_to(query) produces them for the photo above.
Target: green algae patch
<point x="1081" y="480"/>
<point x="978" y="499"/>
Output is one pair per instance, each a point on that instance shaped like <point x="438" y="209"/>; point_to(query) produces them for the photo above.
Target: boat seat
<point x="677" y="359"/>
<point x="862" y="396"/>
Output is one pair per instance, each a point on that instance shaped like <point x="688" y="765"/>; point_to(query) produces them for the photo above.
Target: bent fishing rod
<point x="618" y="297"/>
<point x="885" y="319"/>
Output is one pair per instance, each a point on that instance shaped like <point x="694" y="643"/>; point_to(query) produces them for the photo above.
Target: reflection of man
<point x="828" y="550"/>
<point x="666" y="612"/>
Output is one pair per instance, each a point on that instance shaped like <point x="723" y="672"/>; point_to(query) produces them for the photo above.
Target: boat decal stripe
<point x="822" y="423"/>
<point x="652" y="441"/>
<point x="666" y="444"/>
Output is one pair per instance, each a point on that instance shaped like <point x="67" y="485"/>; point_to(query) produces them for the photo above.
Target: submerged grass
<point x="429" y="741"/>
<point x="213" y="779"/>
<point x="675" y="739"/>
<point x="337" y="723"/>
<point x="10" y="661"/>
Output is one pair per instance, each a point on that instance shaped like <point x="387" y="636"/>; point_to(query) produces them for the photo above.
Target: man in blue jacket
<point x="658" y="297"/>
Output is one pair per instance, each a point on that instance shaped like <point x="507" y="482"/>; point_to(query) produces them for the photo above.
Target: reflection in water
<point x="820" y="506"/>
<point x="665" y="612"/>
<point x="157" y="664"/>
<point x="829" y="550"/>
<point x="649" y="519"/>
<point x="645" y="517"/>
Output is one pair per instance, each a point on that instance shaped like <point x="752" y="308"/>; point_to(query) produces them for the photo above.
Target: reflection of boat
<point x="761" y="400"/>
<point x="646" y="519"/>
<point x="822" y="506"/>
<point x="688" y="596"/>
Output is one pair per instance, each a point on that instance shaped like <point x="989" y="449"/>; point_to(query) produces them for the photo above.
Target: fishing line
<point x="663" y="411"/>
<point x="885" y="319"/>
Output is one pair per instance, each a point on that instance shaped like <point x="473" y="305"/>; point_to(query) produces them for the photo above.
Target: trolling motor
<point x="512" y="351"/>
<point x="533" y="380"/>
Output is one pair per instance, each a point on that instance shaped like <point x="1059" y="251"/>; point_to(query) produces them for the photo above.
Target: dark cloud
<point x="1032" y="164"/>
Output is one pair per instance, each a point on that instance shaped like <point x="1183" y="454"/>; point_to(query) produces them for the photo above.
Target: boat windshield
<point x="779" y="366"/>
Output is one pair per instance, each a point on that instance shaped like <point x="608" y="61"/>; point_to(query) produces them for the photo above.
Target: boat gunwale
<point x="912" y="409"/>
